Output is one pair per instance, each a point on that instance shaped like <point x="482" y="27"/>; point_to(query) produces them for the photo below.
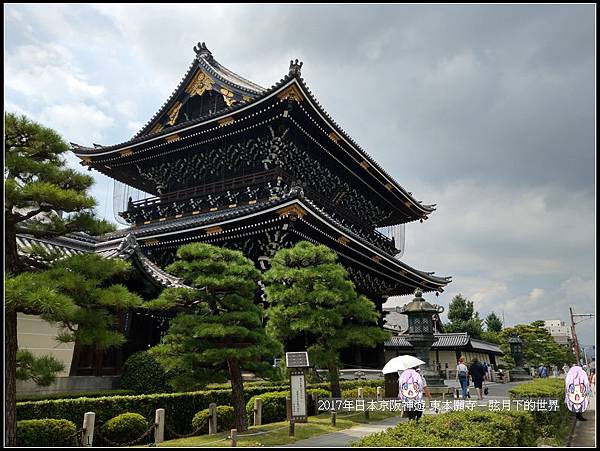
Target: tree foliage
<point x="220" y="330"/>
<point x="538" y="346"/>
<point x="463" y="317"/>
<point x="493" y="323"/>
<point x="309" y="294"/>
<point x="43" y="198"/>
<point x="41" y="370"/>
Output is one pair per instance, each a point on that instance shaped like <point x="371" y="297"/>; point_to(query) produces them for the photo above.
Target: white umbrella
<point x="401" y="363"/>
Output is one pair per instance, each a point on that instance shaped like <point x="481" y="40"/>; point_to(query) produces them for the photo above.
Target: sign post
<point x="296" y="362"/>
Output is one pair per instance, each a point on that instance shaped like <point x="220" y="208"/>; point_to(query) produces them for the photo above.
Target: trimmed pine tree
<point x="309" y="294"/>
<point x="43" y="198"/>
<point x="220" y="329"/>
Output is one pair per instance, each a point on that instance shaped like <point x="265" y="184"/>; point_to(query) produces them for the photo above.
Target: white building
<point x="560" y="331"/>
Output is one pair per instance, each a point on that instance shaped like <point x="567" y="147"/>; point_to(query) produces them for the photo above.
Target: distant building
<point x="560" y="331"/>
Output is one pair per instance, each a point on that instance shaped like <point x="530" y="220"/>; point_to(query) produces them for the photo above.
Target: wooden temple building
<point x="234" y="164"/>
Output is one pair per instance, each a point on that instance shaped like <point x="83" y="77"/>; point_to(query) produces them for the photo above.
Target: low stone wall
<point x="69" y="384"/>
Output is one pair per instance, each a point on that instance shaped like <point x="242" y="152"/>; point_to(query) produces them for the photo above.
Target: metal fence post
<point x="212" y="419"/>
<point x="292" y="422"/>
<point x="257" y="412"/>
<point x="379" y="393"/>
<point x="87" y="438"/>
<point x="234" y="437"/>
<point x="159" y="432"/>
<point x="333" y="417"/>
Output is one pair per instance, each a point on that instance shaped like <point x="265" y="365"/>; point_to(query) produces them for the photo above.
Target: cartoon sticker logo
<point x="411" y="386"/>
<point x="577" y="389"/>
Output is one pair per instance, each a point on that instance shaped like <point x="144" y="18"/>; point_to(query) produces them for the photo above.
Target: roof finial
<point x="295" y="67"/>
<point x="202" y="50"/>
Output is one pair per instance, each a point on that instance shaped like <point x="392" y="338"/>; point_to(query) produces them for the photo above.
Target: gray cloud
<point x="488" y="111"/>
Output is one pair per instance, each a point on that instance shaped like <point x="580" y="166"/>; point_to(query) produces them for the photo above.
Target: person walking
<point x="544" y="371"/>
<point x="565" y="369"/>
<point x="477" y="375"/>
<point x="462" y="376"/>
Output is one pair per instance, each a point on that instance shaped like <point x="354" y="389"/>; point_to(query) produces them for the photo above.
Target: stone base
<point x="519" y="374"/>
<point x="440" y="390"/>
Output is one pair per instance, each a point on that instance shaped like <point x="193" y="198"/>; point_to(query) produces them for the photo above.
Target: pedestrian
<point x="477" y="374"/>
<point x="541" y="370"/>
<point x="565" y="369"/>
<point x="554" y="371"/>
<point x="412" y="387"/>
<point x="485" y="369"/>
<point x="544" y="371"/>
<point x="462" y="376"/>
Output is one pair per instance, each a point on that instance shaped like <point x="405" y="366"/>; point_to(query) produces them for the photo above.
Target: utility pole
<point x="573" y="333"/>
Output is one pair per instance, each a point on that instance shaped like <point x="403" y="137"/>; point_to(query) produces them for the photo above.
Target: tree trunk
<point x="237" y="395"/>
<point x="10" y="355"/>
<point x="334" y="380"/>
<point x="10" y="345"/>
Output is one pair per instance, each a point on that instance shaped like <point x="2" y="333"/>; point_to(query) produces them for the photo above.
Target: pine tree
<point x="463" y="317"/>
<point x="493" y="323"/>
<point x="42" y="198"/>
<point x="309" y="294"/>
<point x="219" y="331"/>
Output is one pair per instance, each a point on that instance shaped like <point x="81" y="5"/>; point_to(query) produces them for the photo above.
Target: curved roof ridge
<point x="429" y="207"/>
<point x="162" y="109"/>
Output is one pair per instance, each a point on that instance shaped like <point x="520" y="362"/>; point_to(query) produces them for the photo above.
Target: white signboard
<point x="298" y="395"/>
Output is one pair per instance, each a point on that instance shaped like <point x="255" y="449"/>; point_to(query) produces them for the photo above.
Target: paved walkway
<point x="584" y="434"/>
<point x="345" y="437"/>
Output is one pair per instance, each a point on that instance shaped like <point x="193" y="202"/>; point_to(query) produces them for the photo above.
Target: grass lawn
<point x="278" y="432"/>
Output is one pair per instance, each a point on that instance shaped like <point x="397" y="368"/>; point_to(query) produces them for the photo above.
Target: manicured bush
<point x="273" y="404"/>
<point x="72" y="395"/>
<point x="551" y="424"/>
<point x="368" y="392"/>
<point x="46" y="432"/>
<point x="143" y="374"/>
<point x="225" y="420"/>
<point x="125" y="427"/>
<point x="459" y="429"/>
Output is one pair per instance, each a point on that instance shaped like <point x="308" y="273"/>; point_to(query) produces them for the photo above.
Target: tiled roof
<point x="127" y="248"/>
<point x="448" y="342"/>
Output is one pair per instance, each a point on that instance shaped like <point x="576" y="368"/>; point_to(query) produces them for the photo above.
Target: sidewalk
<point x="584" y="434"/>
<point x="345" y="437"/>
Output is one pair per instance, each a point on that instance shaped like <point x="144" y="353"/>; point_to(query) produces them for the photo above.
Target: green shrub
<point x="125" y="427"/>
<point x="459" y="429"/>
<point x="273" y="404"/>
<point x="72" y="395"/>
<point x="551" y="424"/>
<point x="143" y="374"/>
<point x="225" y="420"/>
<point x="46" y="432"/>
<point x="368" y="392"/>
<point x="180" y="408"/>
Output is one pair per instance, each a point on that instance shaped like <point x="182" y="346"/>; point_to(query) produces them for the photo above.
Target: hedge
<point x="125" y="428"/>
<point x="46" y="432"/>
<point x="72" y="395"/>
<point x="459" y="429"/>
<point x="273" y="404"/>
<point x="180" y="408"/>
<point x="225" y="420"/>
<point x="142" y="374"/>
<point x="554" y="424"/>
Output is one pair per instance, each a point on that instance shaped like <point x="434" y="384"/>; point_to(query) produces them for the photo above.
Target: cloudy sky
<point x="488" y="111"/>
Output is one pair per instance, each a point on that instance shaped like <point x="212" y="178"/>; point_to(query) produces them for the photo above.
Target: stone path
<point x="345" y="437"/>
<point x="584" y="434"/>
